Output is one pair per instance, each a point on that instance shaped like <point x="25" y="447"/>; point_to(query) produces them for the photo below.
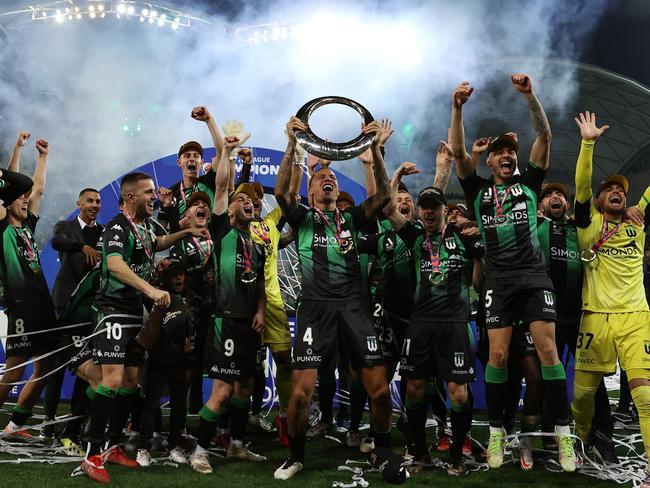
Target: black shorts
<point x="523" y="298"/>
<point x="390" y="330"/>
<point x="27" y="320"/>
<point x="441" y="349"/>
<point x="231" y="349"/>
<point x="521" y="343"/>
<point x="117" y="345"/>
<point x="320" y="325"/>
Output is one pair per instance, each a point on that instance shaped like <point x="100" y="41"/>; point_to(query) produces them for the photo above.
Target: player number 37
<point x="581" y="338"/>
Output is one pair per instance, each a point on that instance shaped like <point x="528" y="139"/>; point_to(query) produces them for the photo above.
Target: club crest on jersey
<point x="630" y="231"/>
<point x="450" y="243"/>
<point x="529" y="336"/>
<point x="516" y="190"/>
<point x="459" y="359"/>
<point x="548" y="298"/>
<point x="646" y="347"/>
<point x="371" y="341"/>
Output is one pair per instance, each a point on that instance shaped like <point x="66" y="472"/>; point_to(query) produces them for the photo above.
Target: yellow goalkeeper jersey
<point x="613" y="282"/>
<point x="267" y="234"/>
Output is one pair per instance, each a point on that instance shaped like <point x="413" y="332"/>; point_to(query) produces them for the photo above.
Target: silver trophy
<point x="334" y="151"/>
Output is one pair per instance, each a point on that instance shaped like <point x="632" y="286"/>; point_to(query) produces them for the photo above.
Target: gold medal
<point x="437" y="278"/>
<point x="248" y="276"/>
<point x="588" y="255"/>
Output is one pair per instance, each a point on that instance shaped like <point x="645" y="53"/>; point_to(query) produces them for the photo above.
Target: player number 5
<point x="488" y="298"/>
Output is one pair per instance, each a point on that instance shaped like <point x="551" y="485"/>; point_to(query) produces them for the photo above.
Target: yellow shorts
<point x="605" y="336"/>
<point x="276" y="327"/>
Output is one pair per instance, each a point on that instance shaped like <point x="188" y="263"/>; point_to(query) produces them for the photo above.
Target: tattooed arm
<point x="285" y="198"/>
<point x="541" y="150"/>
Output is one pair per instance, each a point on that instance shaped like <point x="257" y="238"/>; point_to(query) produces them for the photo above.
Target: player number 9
<point x="229" y="346"/>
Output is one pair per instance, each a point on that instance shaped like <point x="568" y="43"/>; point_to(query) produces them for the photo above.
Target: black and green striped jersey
<point x="119" y="239"/>
<point x="327" y="274"/>
<point x="235" y="299"/>
<point x="450" y="300"/>
<point x="20" y="266"/>
<point x="171" y="215"/>
<point x="392" y="269"/>
<point x="193" y="253"/>
<point x="512" y="246"/>
<point x="559" y="241"/>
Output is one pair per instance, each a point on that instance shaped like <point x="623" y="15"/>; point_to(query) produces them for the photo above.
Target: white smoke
<point x="79" y="83"/>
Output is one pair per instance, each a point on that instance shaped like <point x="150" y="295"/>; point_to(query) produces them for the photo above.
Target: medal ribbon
<point x="435" y="258"/>
<point x="31" y="254"/>
<point x="604" y="235"/>
<point x="208" y="243"/>
<point x="264" y="236"/>
<point x="146" y="242"/>
<point x="337" y="220"/>
<point x="499" y="204"/>
<point x="247" y="252"/>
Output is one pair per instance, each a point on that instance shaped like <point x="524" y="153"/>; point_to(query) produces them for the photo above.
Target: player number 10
<point x="114" y="331"/>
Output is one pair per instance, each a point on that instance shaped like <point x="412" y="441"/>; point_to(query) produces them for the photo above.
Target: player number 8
<point x="20" y="326"/>
<point x="229" y="346"/>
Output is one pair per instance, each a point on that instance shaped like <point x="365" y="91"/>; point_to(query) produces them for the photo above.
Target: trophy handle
<point x="334" y="151"/>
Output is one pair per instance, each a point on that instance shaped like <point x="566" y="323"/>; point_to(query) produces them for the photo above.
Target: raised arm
<point x="203" y="114"/>
<point x="39" y="177"/>
<point x="14" y="162"/>
<point x="285" y="198"/>
<point x="444" y="162"/>
<point x="589" y="132"/>
<point x="464" y="167"/>
<point x="166" y="241"/>
<point x="541" y="150"/>
<point x="222" y="176"/>
<point x="373" y="204"/>
<point x="391" y="211"/>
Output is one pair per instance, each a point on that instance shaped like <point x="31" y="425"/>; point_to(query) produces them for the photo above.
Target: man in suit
<point x="75" y="241"/>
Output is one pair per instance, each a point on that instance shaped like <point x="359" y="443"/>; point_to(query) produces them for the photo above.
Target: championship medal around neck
<point x="437" y="278"/>
<point x="588" y="255"/>
<point x="501" y="220"/>
<point x="248" y="276"/>
<point x="345" y="246"/>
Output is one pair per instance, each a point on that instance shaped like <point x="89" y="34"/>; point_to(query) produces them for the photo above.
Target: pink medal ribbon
<point x="588" y="255"/>
<point x="500" y="219"/>
<point x="248" y="275"/>
<point x="345" y="245"/>
<point x="437" y="277"/>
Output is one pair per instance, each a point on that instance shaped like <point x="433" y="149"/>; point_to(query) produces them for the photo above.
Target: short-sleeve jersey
<point x="511" y="247"/>
<point x="137" y="250"/>
<point x="613" y="282"/>
<point x="327" y="274"/>
<point x="235" y="299"/>
<point x="266" y="234"/>
<point x="450" y="300"/>
<point x="559" y="242"/>
<point x="20" y="265"/>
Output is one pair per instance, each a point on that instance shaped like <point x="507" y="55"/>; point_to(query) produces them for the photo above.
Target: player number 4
<point x="307" y="336"/>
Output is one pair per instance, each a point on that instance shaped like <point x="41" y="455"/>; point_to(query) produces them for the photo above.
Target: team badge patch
<point x="459" y="359"/>
<point x="371" y="341"/>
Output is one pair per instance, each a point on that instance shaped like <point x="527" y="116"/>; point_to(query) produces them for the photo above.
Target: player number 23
<point x="588" y="335"/>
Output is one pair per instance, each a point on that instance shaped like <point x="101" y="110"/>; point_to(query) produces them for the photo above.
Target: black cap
<point x="189" y="146"/>
<point x="401" y="186"/>
<point x="198" y="196"/>
<point x="611" y="179"/>
<point x="461" y="207"/>
<point x="390" y="465"/>
<point x="344" y="196"/>
<point x="502" y="140"/>
<point x="554" y="186"/>
<point x="431" y="195"/>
